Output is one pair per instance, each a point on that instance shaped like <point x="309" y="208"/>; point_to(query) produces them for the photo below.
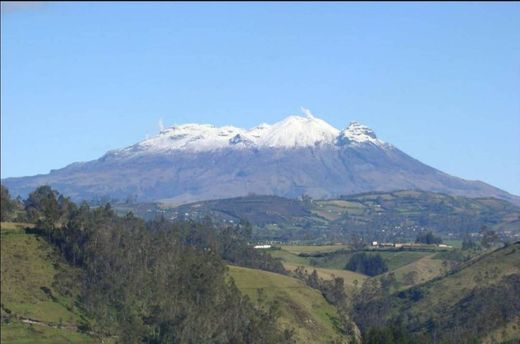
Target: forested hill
<point x="153" y="282"/>
<point x="87" y="275"/>
<point x="377" y="215"/>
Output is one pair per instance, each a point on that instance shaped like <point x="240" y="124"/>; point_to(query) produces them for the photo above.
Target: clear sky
<point x="441" y="81"/>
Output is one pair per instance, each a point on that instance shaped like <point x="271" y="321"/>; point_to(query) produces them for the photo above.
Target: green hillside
<point x="294" y="256"/>
<point x="30" y="293"/>
<point x="419" y="271"/>
<point x="302" y="308"/>
<point x="478" y="300"/>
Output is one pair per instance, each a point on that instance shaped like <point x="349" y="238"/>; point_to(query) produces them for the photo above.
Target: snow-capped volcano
<point x="297" y="131"/>
<point x="298" y="155"/>
<point x="291" y="132"/>
<point x="358" y="133"/>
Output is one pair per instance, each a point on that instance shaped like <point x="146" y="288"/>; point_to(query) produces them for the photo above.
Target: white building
<point x="262" y="246"/>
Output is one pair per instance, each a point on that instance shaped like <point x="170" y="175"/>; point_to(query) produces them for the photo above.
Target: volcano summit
<point x="298" y="155"/>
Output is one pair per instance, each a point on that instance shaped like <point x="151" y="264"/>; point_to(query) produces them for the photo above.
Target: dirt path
<point x="46" y="324"/>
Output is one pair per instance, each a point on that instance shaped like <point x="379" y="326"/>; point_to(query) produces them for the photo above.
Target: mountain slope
<point x="299" y="155"/>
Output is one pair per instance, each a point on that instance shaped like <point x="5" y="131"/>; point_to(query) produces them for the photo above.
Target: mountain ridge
<point x="296" y="156"/>
<point x="291" y="132"/>
<point x="380" y="216"/>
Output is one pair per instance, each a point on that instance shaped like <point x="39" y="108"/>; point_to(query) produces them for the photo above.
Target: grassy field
<point x="455" y="243"/>
<point x="29" y="267"/>
<point x="337" y="256"/>
<point x="291" y="260"/>
<point x="19" y="333"/>
<point x="297" y="249"/>
<point x="302" y="308"/>
<point x="420" y="271"/>
<point x="334" y="209"/>
<point x="410" y="268"/>
<point x="351" y="279"/>
<point x="288" y="257"/>
<point x="398" y="259"/>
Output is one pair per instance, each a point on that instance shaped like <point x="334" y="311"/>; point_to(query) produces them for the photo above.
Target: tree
<point x="468" y="243"/>
<point x="307" y="201"/>
<point x="357" y="242"/>
<point x="313" y="281"/>
<point x="7" y="205"/>
<point x="489" y="238"/>
<point x="387" y="282"/>
<point x="411" y="277"/>
<point x="370" y="265"/>
<point x="428" y="238"/>
<point x="42" y="205"/>
<point x="388" y="335"/>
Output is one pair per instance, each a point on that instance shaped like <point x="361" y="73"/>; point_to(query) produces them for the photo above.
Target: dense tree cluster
<point x="469" y="244"/>
<point x="368" y="264"/>
<point x="428" y="238"/>
<point x="372" y="302"/>
<point x="388" y="335"/>
<point x="489" y="237"/>
<point x="157" y="281"/>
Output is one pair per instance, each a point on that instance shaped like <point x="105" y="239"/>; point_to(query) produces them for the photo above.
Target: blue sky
<point x="441" y="81"/>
